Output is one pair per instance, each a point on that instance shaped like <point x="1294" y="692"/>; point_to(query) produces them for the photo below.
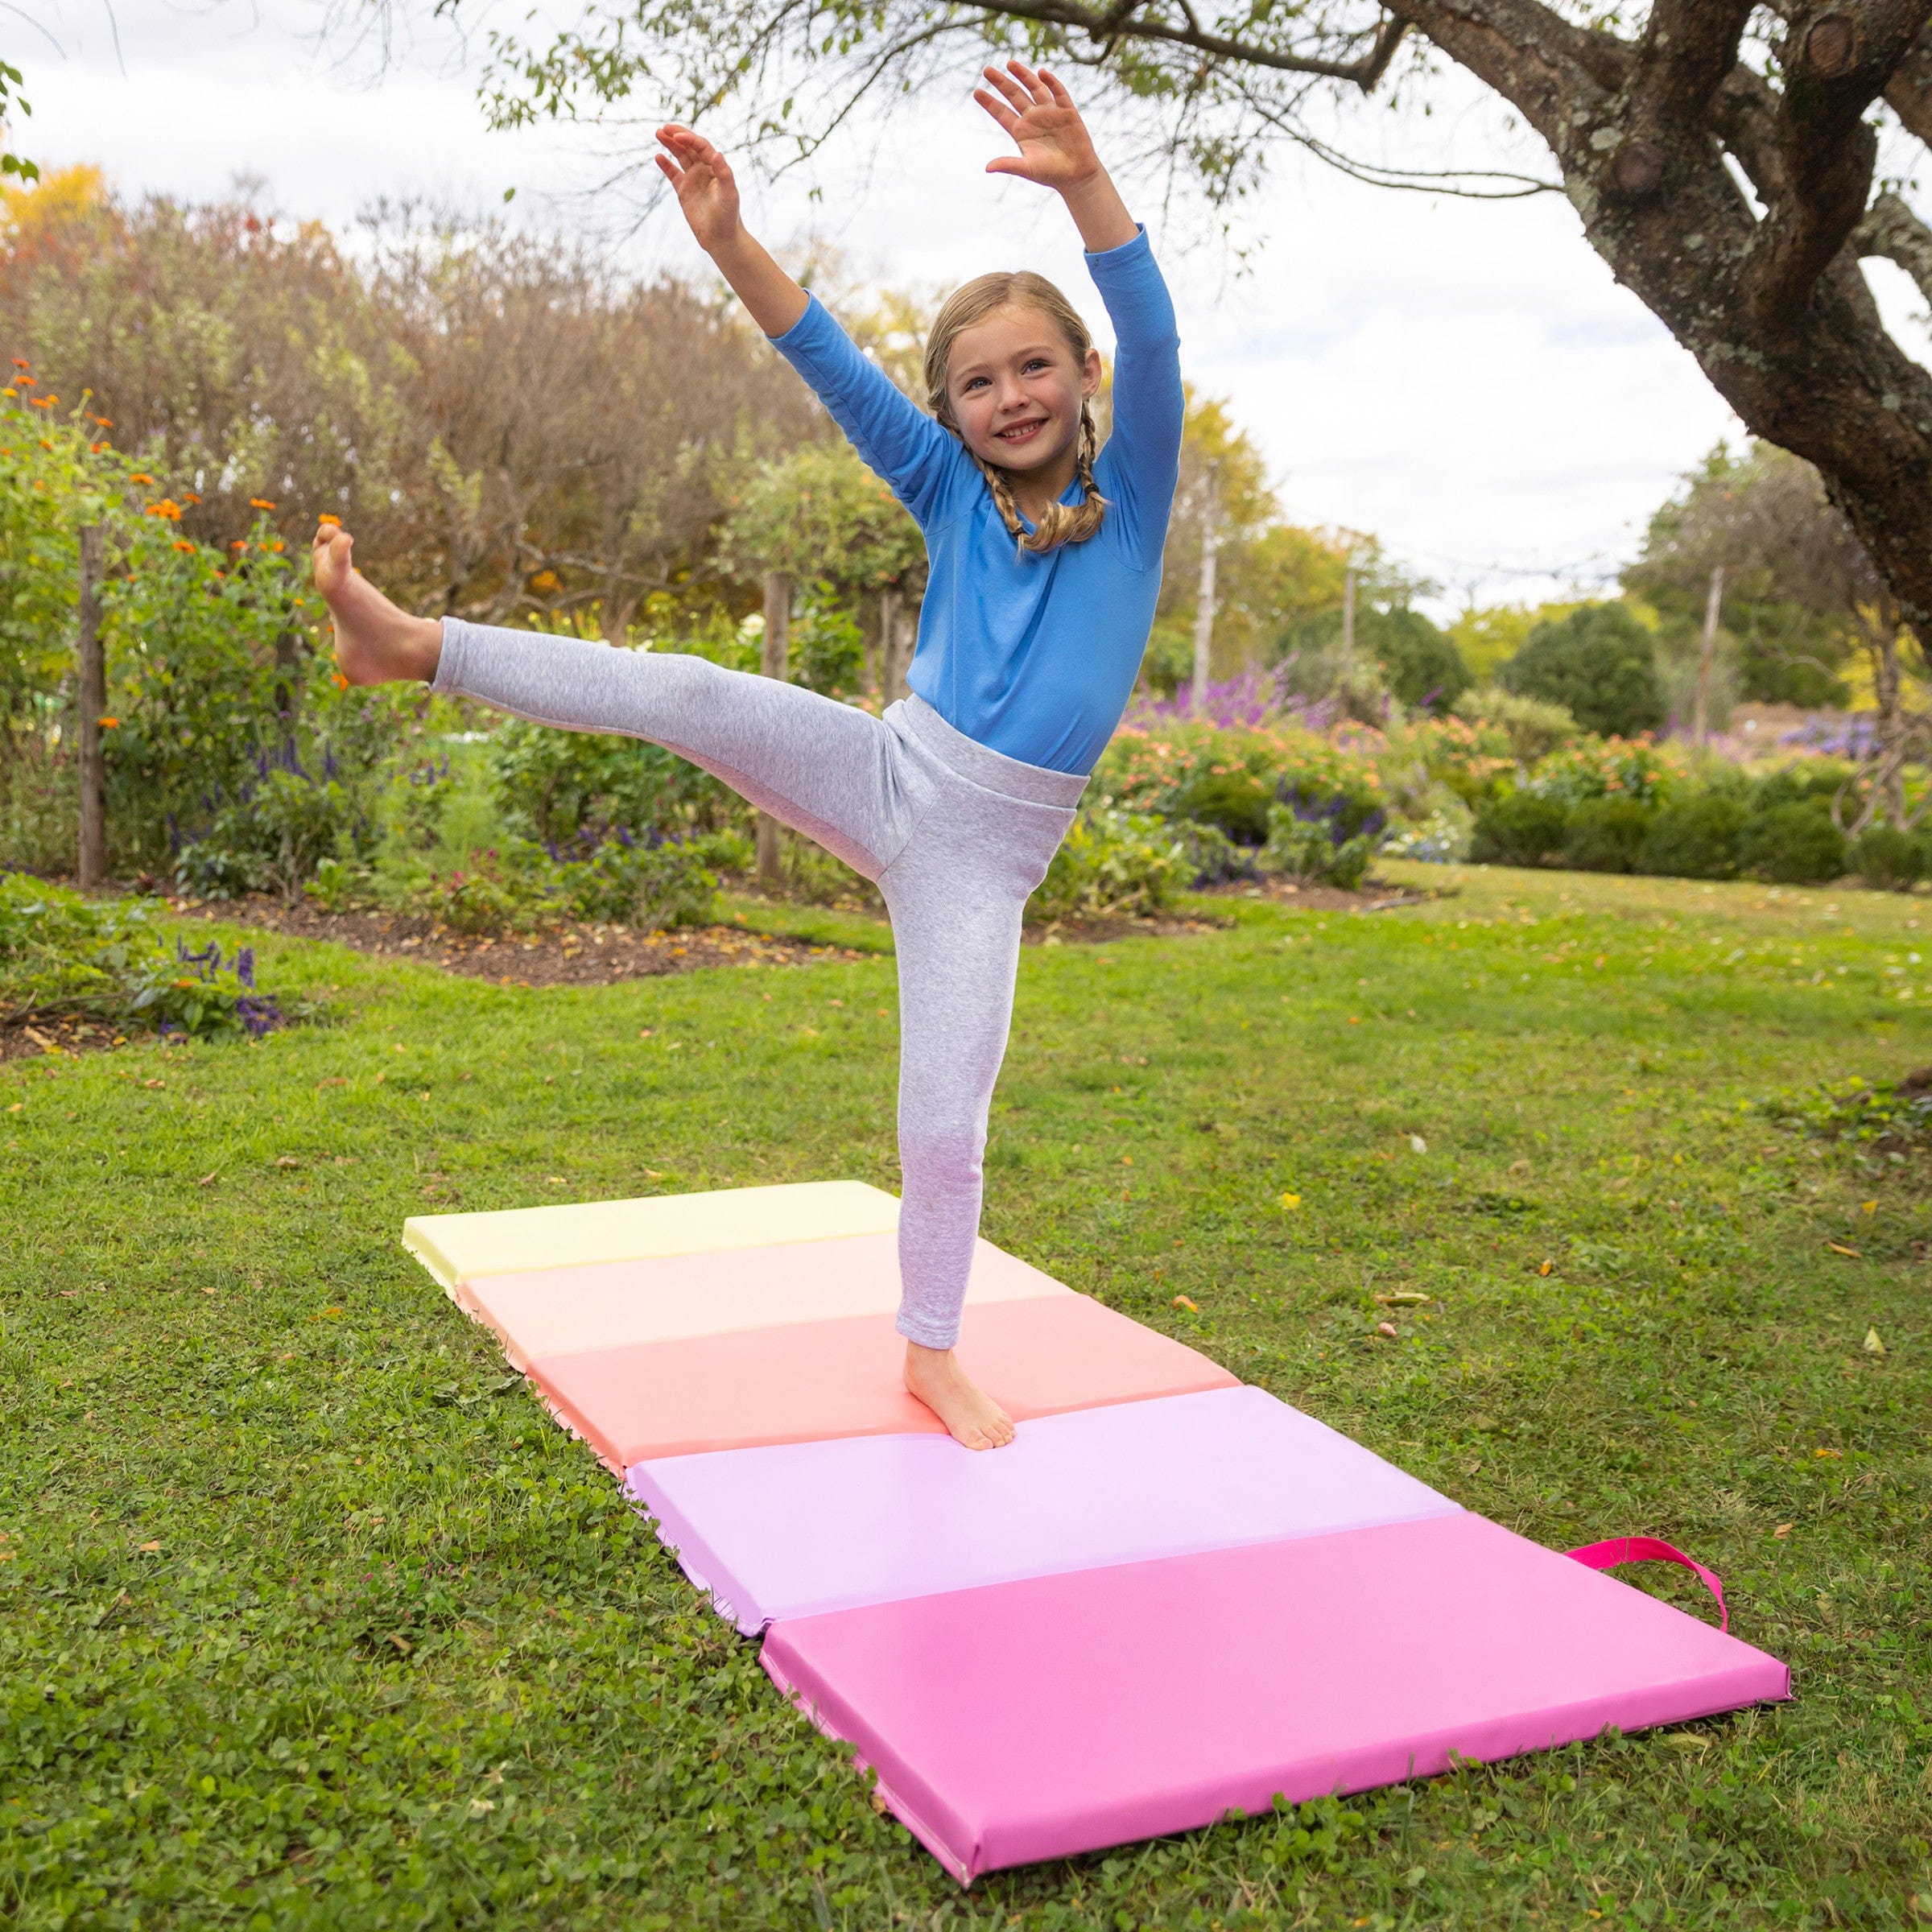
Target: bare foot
<point x="375" y="642"/>
<point x="934" y="1376"/>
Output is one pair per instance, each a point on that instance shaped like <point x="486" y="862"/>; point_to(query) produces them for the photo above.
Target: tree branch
<point x="1908" y="93"/>
<point x="1891" y="230"/>
<point x="1836" y="64"/>
<point x="1116" y="23"/>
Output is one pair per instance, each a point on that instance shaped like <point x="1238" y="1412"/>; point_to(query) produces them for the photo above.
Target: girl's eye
<point x="1037" y="363"/>
<point x="973" y="382"/>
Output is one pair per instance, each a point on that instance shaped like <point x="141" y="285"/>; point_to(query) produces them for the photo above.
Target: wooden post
<point x="90" y="701"/>
<point x="774" y="662"/>
<point x="1204" y="596"/>
<point x="1348" y="619"/>
<point x="1700" y="723"/>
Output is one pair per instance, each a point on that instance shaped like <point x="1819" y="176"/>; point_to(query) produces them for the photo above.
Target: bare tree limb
<point x="1892" y="230"/>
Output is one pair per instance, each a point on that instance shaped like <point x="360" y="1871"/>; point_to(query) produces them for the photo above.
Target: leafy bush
<point x="1113" y="861"/>
<point x="1425" y="668"/>
<point x="1525" y="727"/>
<point x="1213" y="857"/>
<point x="1694" y="838"/>
<point x="1234" y="803"/>
<point x="62" y="954"/>
<point x="1519" y="828"/>
<point x="1306" y="842"/>
<point x="552" y="785"/>
<point x="1792" y="844"/>
<point x="1441" y="839"/>
<point x="1888" y="859"/>
<point x="1605" y="834"/>
<point x="1600" y="663"/>
<point x="520" y="887"/>
<point x="273" y="837"/>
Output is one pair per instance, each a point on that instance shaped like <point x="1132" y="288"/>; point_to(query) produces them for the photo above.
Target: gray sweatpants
<point x="956" y="837"/>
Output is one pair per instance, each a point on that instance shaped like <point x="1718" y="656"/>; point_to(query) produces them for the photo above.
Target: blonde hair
<point x="978" y="299"/>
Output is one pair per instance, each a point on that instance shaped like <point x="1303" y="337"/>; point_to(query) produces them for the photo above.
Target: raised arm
<point x="896" y="438"/>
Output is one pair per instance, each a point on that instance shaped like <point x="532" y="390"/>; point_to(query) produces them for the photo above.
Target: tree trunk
<point x="1713" y="606"/>
<point x="90" y="701"/>
<point x="774" y="660"/>
<point x="896" y="638"/>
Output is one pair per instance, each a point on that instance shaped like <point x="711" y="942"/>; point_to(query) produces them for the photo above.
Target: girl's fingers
<point x="1010" y="89"/>
<point x="671" y="172"/>
<point x="1061" y="97"/>
<point x="998" y="109"/>
<point x="1031" y="80"/>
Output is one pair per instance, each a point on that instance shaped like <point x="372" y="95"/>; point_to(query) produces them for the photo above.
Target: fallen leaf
<point x="1871" y="1344"/>
<point x="334" y="1080"/>
<point x="1545" y="1268"/>
<point x="1687" y="1741"/>
<point x="207" y="1180"/>
<point x="150" y="1549"/>
<point x="1404" y="1298"/>
<point x="154" y="1083"/>
<point x="1519" y="1166"/>
<point x="1839" y="1247"/>
<point x="1181" y="1301"/>
<point x="1483" y="1423"/>
<point x="16" y="1107"/>
<point x="1387" y="1328"/>
<point x="1291" y="1202"/>
<point x="1783" y="1529"/>
<point x="1420" y="1144"/>
<point x="1835" y="1454"/>
<point x="1869" y="1207"/>
<point x="286" y="1160"/>
<point x="651" y="1174"/>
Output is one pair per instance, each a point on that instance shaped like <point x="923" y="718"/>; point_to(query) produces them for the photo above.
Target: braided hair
<point x="1061" y="522"/>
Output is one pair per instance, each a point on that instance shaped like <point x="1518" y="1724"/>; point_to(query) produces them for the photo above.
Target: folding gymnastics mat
<point x="1171" y="1596"/>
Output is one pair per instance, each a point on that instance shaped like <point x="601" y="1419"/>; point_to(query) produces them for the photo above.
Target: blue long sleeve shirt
<point x="1032" y="655"/>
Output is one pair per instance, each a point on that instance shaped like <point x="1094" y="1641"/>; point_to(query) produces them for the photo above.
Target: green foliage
<point x="1314" y="846"/>
<point x="1888" y="859"/>
<point x="273" y="839"/>
<point x="1792" y="844"/>
<point x="1696" y="837"/>
<point x="1892" y="1113"/>
<point x="553" y="785"/>
<point x="60" y="954"/>
<point x="1235" y="802"/>
<point x="1113" y="861"/>
<point x="820" y="515"/>
<point x="1598" y="663"/>
<point x="13" y="102"/>
<point x="1518" y="828"/>
<point x="1526" y="729"/>
<point x="826" y="648"/>
<point x="1424" y="669"/>
<point x="1605" y="834"/>
<point x="1214" y="857"/>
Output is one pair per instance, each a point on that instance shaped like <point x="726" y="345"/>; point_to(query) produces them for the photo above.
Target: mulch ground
<point x="564" y="956"/>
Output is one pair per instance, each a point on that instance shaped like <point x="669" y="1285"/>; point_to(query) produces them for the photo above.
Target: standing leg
<point x="956" y="895"/>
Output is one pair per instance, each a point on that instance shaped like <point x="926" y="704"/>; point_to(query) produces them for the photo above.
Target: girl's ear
<point x="1090" y="373"/>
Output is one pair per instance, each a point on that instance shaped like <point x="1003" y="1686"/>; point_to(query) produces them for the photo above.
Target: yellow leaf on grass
<point x="1783" y="1529"/>
<point x="1181" y="1301"/>
<point x="1869" y="1207"/>
<point x="1291" y="1201"/>
<point x="1839" y="1247"/>
<point x="1871" y="1344"/>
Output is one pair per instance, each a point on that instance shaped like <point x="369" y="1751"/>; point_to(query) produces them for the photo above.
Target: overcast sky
<point x="1464" y="380"/>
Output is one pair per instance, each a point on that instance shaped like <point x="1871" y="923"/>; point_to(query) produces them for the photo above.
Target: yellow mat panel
<point x="458" y="1248"/>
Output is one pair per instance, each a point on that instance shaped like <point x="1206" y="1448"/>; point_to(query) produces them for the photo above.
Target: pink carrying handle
<point x="1649" y="1550"/>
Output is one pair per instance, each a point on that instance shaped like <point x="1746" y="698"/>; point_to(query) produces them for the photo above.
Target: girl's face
<point x="1015" y="387"/>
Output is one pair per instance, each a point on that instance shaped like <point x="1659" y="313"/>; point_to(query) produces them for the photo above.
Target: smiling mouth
<point x="1020" y="432"/>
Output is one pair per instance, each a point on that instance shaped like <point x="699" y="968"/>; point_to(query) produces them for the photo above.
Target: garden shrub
<point x="1792" y="844"/>
<point x="1235" y="803"/>
<point x="1887" y="859"/>
<point x="1694" y="838"/>
<point x="1113" y="861"/>
<point x="61" y="953"/>
<point x="272" y="837"/>
<point x="1525" y="728"/>
<point x="1600" y="663"/>
<point x="1214" y="857"/>
<point x="550" y="785"/>
<point x="1306" y="842"/>
<point x="1519" y="828"/>
<point x="1604" y="835"/>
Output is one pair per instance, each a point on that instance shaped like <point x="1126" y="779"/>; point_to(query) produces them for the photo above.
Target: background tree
<point x="1802" y="590"/>
<point x="1600" y="663"/>
<point x="1720" y="154"/>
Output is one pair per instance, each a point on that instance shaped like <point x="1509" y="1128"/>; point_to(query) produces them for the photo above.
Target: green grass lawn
<point x="310" y="1617"/>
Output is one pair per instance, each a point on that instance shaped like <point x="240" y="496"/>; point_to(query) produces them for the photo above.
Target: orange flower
<point x="167" y="507"/>
<point x="10" y="392"/>
<point x="45" y="445"/>
<point x="327" y="517"/>
<point x="138" y="477"/>
<point x="182" y="544"/>
<point x="21" y="362"/>
<point x="110" y="723"/>
<point x="191" y="497"/>
<point x="97" y="447"/>
<point x="260" y="503"/>
<point x="102" y="422"/>
<point x="547" y="580"/>
<point x="278" y="545"/>
<point x="42" y="402"/>
<point x="336" y="678"/>
<point x="239" y="543"/>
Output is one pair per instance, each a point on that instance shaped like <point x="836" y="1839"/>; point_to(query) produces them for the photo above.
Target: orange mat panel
<point x="817" y="1380"/>
<point x="671" y="1297"/>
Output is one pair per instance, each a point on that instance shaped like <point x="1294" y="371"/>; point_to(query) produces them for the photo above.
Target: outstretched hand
<point x="1055" y="149"/>
<point x="707" y="190"/>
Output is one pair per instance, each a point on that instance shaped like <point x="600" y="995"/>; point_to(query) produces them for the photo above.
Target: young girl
<point x="1045" y="561"/>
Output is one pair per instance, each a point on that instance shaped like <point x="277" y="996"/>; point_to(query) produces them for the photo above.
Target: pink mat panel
<point x="812" y="1381"/>
<point x="1066" y="1713"/>
<point x="810" y="1527"/>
